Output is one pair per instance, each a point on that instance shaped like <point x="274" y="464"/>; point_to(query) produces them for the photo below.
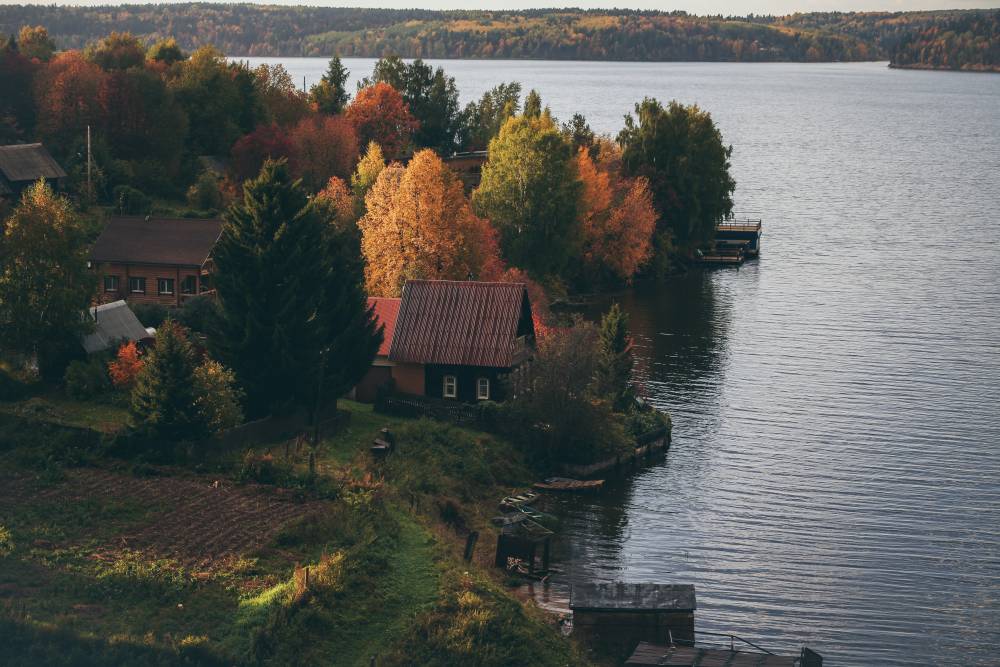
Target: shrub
<point x="87" y="379"/>
<point x="217" y="396"/>
<point x="150" y="314"/>
<point x="6" y="542"/>
<point x="197" y="313"/>
<point x="125" y="367"/>
<point x="130" y="201"/>
<point x="205" y="194"/>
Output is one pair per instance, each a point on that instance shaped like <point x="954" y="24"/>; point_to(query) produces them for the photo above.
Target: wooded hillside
<point x="950" y="39"/>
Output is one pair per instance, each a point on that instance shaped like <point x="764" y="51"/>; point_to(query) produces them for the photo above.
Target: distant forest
<point x="950" y="39"/>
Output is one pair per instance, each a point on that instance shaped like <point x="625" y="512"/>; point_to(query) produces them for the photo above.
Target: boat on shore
<point x="567" y="485"/>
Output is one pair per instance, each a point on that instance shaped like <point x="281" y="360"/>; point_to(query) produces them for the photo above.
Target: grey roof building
<point x="113" y="323"/>
<point x="23" y="164"/>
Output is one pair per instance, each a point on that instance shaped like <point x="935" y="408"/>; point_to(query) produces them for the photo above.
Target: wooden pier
<point x="735" y="242"/>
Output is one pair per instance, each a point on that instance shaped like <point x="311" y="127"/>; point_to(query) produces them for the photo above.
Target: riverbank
<point x="249" y="558"/>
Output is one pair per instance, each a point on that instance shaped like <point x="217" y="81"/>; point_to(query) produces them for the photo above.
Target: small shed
<point x="23" y="164"/>
<point x="519" y="542"/>
<point x="617" y="616"/>
<point x="113" y="322"/>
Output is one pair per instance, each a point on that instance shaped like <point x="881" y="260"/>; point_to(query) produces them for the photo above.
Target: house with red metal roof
<point x="154" y="260"/>
<point x="451" y="339"/>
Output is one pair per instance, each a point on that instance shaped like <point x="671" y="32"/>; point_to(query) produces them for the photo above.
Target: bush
<point x="205" y="194"/>
<point x="87" y="379"/>
<point x="129" y="201"/>
<point x="150" y="314"/>
<point x="12" y="388"/>
<point x="197" y="313"/>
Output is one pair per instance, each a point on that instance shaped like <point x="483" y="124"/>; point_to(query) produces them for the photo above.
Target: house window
<point x="483" y="389"/>
<point x="189" y="285"/>
<point x="165" y="285"/>
<point x="450" y="386"/>
<point x="137" y="285"/>
<point x="110" y="283"/>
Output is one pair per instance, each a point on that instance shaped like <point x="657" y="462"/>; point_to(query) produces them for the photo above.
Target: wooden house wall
<point x="466" y="377"/>
<point x="151" y="274"/>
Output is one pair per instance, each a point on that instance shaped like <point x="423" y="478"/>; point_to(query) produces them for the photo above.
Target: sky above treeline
<point x="702" y="7"/>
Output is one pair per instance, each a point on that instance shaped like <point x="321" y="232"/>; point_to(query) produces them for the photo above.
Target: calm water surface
<point x="835" y="474"/>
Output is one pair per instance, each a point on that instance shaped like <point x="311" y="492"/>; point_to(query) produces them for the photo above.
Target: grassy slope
<point x="388" y="578"/>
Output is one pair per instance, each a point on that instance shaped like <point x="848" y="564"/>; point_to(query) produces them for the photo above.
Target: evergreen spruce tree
<point x="330" y="94"/>
<point x="614" y="367"/>
<point x="291" y="309"/>
<point x="164" y="397"/>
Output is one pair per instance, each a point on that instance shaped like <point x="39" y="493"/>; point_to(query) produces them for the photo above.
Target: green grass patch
<point x="56" y="408"/>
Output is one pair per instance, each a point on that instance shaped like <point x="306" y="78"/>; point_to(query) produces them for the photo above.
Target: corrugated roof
<point x="115" y="322"/>
<point x="459" y="322"/>
<point x="28" y="162"/>
<point x="386" y="312"/>
<point x="169" y="241"/>
<point x="632" y="597"/>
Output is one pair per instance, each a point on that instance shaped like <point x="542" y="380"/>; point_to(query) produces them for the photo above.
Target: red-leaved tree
<point x="323" y="146"/>
<point x="380" y="115"/>
<point x="250" y="151"/>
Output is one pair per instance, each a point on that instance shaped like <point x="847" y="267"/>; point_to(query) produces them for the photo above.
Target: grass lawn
<point x="55" y="407"/>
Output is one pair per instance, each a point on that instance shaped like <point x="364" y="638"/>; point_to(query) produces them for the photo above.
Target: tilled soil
<point x="198" y="521"/>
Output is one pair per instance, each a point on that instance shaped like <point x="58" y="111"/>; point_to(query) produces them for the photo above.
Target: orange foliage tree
<point x="419" y="225"/>
<point x="323" y="146"/>
<point x="125" y="367"/>
<point x="617" y="215"/>
<point x="338" y="195"/>
<point x="380" y="115"/>
<point x="68" y="97"/>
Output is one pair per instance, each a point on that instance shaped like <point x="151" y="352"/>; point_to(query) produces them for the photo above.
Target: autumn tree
<point x="45" y="284"/>
<point x="17" y="104"/>
<point x="429" y="94"/>
<point x="323" y="146"/>
<point x="423" y="228"/>
<point x="330" y="94"/>
<point x="293" y="320"/>
<point x="117" y="51"/>
<point x="68" y="98"/>
<point x="380" y="115"/>
<point x="252" y="150"/>
<point x="679" y="150"/>
<point x="339" y="197"/>
<point x="125" y="367"/>
<point x="529" y="191"/>
<point x="166" y="51"/>
<point x="283" y="103"/>
<point x="617" y="218"/>
<point x="34" y="42"/>
<point x="369" y="167"/>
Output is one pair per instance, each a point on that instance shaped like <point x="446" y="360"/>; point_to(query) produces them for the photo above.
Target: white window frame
<point x="453" y="382"/>
<point x="161" y="282"/>
<point x="140" y="281"/>
<point x="114" y="280"/>
<point x="483" y="389"/>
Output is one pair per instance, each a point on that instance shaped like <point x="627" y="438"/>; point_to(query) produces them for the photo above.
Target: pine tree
<point x="291" y="307"/>
<point x="330" y="94"/>
<point x="164" y="397"/>
<point x="614" y="366"/>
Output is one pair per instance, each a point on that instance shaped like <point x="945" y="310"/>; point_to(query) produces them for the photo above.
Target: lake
<point x="835" y="474"/>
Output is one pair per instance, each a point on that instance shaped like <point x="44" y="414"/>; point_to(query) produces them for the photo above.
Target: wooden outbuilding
<point x="617" y="616"/>
<point x="23" y="164"/>
<point x="154" y="260"/>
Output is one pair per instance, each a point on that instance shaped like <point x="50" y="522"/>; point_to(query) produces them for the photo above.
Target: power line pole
<point x="90" y="187"/>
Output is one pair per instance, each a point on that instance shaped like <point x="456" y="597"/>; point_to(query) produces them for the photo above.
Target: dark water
<point x="835" y="474"/>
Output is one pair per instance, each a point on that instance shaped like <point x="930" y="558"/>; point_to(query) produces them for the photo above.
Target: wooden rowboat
<point x="564" y="484"/>
<point x="511" y="503"/>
